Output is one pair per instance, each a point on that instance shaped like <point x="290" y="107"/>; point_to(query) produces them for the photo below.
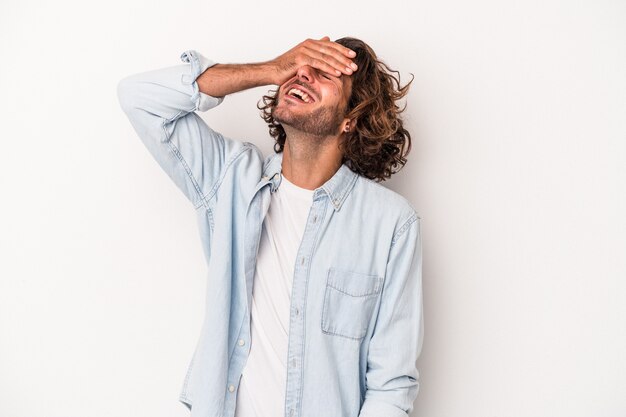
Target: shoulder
<point x="389" y="203"/>
<point x="386" y="198"/>
<point x="247" y="155"/>
<point x="253" y="150"/>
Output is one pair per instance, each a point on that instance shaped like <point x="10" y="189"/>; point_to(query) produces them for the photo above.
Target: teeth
<point x="304" y="96"/>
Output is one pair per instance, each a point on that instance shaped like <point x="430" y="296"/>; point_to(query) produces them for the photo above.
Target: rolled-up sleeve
<point x="161" y="105"/>
<point x="396" y="342"/>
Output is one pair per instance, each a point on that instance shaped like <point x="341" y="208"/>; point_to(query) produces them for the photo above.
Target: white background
<point x="518" y="170"/>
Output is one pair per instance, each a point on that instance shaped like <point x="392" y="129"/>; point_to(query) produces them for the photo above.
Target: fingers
<point x="328" y="62"/>
<point x="332" y="57"/>
<point x="339" y="47"/>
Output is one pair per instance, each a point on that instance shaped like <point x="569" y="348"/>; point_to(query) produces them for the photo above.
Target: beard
<point x="321" y="122"/>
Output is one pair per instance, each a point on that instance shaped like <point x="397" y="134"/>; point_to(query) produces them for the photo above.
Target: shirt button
<point x="231" y="388"/>
<point x="241" y="342"/>
<point x="314" y="218"/>
<point x="291" y="412"/>
<point x="297" y="311"/>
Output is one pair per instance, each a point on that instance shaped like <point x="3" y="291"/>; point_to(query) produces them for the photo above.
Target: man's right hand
<point x="323" y="54"/>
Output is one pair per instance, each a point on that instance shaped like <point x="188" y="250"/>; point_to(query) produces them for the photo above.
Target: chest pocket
<point x="349" y="301"/>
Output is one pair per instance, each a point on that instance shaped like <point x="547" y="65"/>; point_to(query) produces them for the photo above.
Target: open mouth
<point x="300" y="95"/>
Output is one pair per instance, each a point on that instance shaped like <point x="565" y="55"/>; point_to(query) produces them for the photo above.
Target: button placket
<point x="295" y="353"/>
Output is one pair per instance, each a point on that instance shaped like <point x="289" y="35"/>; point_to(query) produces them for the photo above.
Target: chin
<point x="283" y="114"/>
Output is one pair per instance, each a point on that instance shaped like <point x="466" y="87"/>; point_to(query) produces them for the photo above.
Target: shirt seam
<point x="404" y="228"/>
<point x="204" y="200"/>
<point x="209" y="196"/>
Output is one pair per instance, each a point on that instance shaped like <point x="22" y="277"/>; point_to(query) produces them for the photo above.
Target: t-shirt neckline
<point x="291" y="187"/>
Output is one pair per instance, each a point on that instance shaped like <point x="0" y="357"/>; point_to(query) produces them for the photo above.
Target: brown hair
<point x="379" y="143"/>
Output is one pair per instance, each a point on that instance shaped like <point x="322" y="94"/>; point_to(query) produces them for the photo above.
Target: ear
<point x="348" y="126"/>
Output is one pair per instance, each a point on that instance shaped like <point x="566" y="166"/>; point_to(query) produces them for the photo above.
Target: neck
<point x="310" y="161"/>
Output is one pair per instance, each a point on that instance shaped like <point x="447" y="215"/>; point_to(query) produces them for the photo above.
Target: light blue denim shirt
<point x="355" y="326"/>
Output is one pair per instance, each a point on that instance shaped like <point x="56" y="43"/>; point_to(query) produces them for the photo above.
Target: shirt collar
<point x="337" y="187"/>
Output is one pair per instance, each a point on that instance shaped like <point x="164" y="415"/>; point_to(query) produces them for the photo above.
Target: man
<point x="314" y="302"/>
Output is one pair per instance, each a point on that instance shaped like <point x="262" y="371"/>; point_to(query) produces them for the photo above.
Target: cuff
<point x="199" y="64"/>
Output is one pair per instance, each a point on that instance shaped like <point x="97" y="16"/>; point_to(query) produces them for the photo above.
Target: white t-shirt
<point x="261" y="391"/>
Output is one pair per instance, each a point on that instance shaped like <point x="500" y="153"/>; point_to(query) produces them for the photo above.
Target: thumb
<point x="325" y="38"/>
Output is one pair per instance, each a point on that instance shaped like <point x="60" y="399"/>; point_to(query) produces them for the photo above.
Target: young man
<point x="314" y="301"/>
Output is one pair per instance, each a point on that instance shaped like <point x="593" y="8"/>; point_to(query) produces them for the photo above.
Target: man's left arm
<point x="392" y="375"/>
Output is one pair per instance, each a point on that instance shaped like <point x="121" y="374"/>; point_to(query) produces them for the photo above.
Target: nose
<point x="305" y="73"/>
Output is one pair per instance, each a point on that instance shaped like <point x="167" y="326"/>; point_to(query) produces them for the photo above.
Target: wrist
<point x="268" y="73"/>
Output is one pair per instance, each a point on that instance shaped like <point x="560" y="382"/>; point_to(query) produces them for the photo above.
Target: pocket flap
<point x="352" y="283"/>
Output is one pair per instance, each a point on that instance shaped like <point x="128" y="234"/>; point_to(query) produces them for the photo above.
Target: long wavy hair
<point x="379" y="143"/>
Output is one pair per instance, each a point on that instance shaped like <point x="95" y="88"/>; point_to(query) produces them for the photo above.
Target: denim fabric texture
<point x="356" y="317"/>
